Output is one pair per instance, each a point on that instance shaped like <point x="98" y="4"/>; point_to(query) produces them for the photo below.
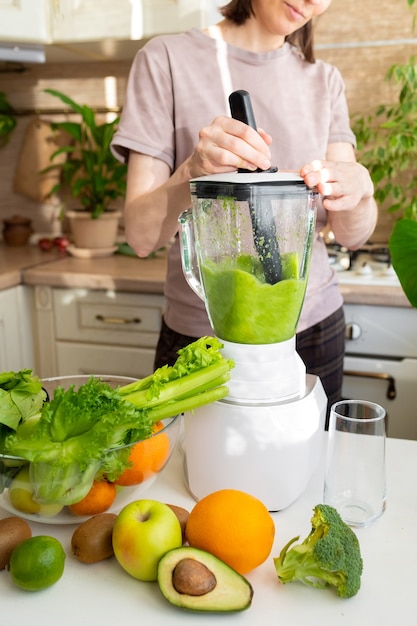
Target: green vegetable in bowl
<point x="75" y="432"/>
<point x="21" y="396"/>
<point x="330" y="555"/>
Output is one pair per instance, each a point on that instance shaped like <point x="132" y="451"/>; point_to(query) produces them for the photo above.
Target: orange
<point x="146" y="458"/>
<point x="234" y="526"/>
<point x="100" y="498"/>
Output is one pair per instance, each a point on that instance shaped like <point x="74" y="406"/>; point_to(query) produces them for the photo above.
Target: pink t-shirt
<point x="178" y="84"/>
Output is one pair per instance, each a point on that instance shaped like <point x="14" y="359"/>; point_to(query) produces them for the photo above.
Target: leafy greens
<point x="81" y="432"/>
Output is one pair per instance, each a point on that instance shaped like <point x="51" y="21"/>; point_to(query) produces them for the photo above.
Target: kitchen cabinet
<point x="25" y="20"/>
<point x="16" y="336"/>
<point x="82" y="331"/>
<point x="66" y="21"/>
<point x="86" y="20"/>
<point x="381" y="362"/>
<point x="92" y="20"/>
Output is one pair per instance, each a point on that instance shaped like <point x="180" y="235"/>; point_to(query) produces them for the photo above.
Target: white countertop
<point x="104" y="595"/>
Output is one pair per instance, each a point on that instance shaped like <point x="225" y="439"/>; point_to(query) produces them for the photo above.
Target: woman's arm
<point x="154" y="201"/>
<point x="348" y="194"/>
<point x="155" y="198"/>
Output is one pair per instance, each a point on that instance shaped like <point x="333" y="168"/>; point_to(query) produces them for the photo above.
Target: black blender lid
<point x="251" y="178"/>
<point x="242" y="186"/>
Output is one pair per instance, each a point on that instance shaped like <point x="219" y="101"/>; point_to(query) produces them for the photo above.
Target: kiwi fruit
<point x="91" y="541"/>
<point x="13" y="530"/>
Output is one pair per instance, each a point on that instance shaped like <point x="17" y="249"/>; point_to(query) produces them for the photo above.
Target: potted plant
<point x="387" y="145"/>
<point x="7" y="120"/>
<point x="91" y="175"/>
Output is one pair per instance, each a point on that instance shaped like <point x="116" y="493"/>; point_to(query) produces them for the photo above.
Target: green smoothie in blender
<point x="243" y="308"/>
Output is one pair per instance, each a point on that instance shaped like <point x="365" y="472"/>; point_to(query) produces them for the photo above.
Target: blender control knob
<point x="353" y="331"/>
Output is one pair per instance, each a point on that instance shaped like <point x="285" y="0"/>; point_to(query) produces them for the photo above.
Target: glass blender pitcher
<point x="247" y="253"/>
<point x="246" y="247"/>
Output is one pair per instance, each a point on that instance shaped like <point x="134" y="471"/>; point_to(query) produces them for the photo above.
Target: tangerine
<point x="146" y="458"/>
<point x="234" y="526"/>
<point x="100" y="498"/>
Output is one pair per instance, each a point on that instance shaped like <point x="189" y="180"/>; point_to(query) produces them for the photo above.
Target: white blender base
<point x="267" y="450"/>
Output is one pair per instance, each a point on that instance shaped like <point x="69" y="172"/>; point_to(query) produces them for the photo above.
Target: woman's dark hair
<point x="238" y="11"/>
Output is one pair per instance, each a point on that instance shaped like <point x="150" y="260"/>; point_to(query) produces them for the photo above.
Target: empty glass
<point x="355" y="482"/>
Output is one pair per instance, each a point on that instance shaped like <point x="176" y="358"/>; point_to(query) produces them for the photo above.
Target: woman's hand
<point x="343" y="184"/>
<point x="227" y="145"/>
<point x="347" y="191"/>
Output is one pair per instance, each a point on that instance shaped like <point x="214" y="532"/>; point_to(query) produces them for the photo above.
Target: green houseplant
<point x="387" y="145"/>
<point x="7" y="120"/>
<point x="90" y="172"/>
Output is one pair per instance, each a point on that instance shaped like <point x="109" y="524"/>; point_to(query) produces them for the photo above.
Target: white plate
<point x="90" y="253"/>
<point x="124" y="496"/>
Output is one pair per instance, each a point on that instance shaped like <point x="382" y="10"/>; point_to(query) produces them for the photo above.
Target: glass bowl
<point x="147" y="458"/>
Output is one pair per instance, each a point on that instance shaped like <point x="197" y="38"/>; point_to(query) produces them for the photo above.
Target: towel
<point x="39" y="143"/>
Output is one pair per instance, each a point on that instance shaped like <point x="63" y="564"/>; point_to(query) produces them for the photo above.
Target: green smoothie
<point x="245" y="309"/>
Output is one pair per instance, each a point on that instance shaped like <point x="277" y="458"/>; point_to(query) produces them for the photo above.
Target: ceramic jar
<point x="17" y="230"/>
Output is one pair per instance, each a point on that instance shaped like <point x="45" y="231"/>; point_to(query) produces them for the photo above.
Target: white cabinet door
<point x="91" y="20"/>
<point x="388" y="382"/>
<point x="16" y="335"/>
<point x="25" y="21"/>
<point x="174" y="16"/>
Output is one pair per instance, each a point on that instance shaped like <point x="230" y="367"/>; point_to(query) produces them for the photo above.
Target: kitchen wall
<point x="98" y="84"/>
<point x="362" y="37"/>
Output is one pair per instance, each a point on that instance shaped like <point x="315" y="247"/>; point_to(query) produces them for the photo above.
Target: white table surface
<point x="104" y="595"/>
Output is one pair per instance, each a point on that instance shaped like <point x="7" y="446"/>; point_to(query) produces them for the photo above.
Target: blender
<point x="245" y="247"/>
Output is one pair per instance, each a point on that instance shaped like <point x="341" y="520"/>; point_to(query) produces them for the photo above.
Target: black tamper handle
<point x="241" y="107"/>
<point x="263" y="223"/>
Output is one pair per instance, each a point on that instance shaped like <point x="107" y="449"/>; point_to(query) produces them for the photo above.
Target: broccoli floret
<point x="329" y="555"/>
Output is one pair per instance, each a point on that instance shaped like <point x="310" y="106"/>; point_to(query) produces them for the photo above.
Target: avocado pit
<point x="193" y="578"/>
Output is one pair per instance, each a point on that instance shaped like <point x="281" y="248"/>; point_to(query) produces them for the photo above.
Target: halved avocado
<point x="194" y="579"/>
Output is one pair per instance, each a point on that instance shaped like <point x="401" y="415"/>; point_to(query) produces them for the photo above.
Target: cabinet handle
<point x="118" y="320"/>
<point x="391" y="391"/>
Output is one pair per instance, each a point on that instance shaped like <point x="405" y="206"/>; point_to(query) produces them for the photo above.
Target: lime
<point x="37" y="563"/>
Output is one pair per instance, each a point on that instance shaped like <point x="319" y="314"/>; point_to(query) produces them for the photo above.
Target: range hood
<point x="22" y="53"/>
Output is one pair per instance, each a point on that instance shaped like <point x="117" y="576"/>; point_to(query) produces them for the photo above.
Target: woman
<point x="176" y="125"/>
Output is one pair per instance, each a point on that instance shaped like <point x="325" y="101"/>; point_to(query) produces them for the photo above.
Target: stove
<point x="381" y="341"/>
<point x="370" y="265"/>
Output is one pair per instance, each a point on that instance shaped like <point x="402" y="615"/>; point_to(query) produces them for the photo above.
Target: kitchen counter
<point x="117" y="272"/>
<point x="14" y="260"/>
<point x="31" y="266"/>
<point x="373" y="294"/>
<point x="104" y="594"/>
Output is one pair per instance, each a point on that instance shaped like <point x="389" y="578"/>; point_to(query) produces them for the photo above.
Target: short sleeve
<point x="146" y="123"/>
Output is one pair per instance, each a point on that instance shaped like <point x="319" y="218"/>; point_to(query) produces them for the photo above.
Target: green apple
<point x="21" y="496"/>
<point x="143" y="532"/>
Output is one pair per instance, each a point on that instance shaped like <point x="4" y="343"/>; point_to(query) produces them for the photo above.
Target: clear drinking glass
<point x="355" y="483"/>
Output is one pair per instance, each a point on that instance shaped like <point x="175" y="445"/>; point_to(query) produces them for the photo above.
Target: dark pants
<point x="321" y="347"/>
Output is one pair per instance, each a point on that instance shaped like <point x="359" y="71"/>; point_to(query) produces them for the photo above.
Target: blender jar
<point x="246" y="246"/>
